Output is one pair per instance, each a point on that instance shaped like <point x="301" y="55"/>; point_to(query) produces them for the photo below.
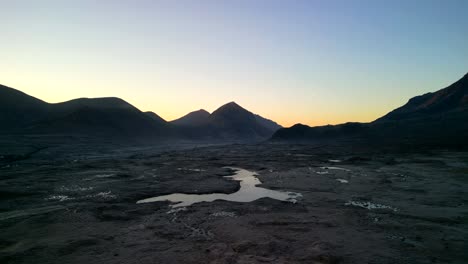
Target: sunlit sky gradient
<point x="313" y="62"/>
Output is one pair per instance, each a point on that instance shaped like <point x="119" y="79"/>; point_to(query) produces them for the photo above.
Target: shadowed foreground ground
<point x="78" y="205"/>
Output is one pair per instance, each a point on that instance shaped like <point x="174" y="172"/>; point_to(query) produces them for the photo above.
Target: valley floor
<point x="74" y="204"/>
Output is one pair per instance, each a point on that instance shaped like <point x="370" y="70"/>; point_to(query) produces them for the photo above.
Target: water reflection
<point x="248" y="192"/>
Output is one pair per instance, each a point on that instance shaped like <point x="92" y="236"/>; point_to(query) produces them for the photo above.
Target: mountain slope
<point x="155" y="117"/>
<point x="233" y="121"/>
<point x="270" y="124"/>
<point x="228" y="122"/>
<point x="452" y="98"/>
<point x="99" y="116"/>
<point x="110" y="117"/>
<point x="195" y="118"/>
<point x="18" y="109"/>
<point x="114" y="117"/>
<point x="433" y="119"/>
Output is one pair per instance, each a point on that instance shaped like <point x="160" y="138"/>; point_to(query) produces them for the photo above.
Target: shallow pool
<point x="248" y="192"/>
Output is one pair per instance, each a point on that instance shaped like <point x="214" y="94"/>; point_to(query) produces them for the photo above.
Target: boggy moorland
<point x="72" y="203"/>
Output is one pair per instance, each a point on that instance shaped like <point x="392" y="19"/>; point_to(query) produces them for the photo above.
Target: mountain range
<point x="114" y="117"/>
<point x="230" y="121"/>
<point x="438" y="118"/>
<point x="433" y="118"/>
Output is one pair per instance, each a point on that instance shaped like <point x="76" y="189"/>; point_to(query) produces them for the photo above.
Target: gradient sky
<point x="311" y="62"/>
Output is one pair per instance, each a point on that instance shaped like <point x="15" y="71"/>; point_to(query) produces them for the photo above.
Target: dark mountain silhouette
<point x="110" y="117"/>
<point x="233" y="121"/>
<point x="114" y="117"/>
<point x="195" y="118"/>
<point x="432" y="119"/>
<point x="18" y="109"/>
<point x="155" y="117"/>
<point x="100" y="116"/>
<point x="300" y="132"/>
<point x="270" y="124"/>
<point x="450" y="99"/>
<point x="229" y="122"/>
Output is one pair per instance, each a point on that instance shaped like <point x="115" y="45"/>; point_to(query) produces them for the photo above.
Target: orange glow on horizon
<point x="169" y="111"/>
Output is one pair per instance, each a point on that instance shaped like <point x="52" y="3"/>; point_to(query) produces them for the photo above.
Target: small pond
<point x="248" y="192"/>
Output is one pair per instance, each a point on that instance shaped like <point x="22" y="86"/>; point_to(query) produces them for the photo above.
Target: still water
<point x="248" y="192"/>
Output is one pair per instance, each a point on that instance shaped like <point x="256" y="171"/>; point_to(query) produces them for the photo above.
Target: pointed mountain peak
<point x="230" y="107"/>
<point x="232" y="103"/>
<point x="233" y="110"/>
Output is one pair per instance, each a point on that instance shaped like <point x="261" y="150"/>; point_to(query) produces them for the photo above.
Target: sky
<point x="310" y="62"/>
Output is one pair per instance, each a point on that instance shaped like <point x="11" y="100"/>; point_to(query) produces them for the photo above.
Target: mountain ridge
<point x="114" y="117"/>
<point x="437" y="118"/>
<point x="193" y="118"/>
<point x="451" y="98"/>
<point x="229" y="121"/>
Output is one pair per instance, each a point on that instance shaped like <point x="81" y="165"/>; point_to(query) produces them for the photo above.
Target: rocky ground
<point x="77" y="204"/>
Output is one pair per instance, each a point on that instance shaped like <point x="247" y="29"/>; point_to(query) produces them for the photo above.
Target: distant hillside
<point x="114" y="117"/>
<point x="228" y="122"/>
<point x="155" y="117"/>
<point x="233" y="121"/>
<point x="18" y="109"/>
<point x="110" y="117"/>
<point x="270" y="124"/>
<point x="300" y="132"/>
<point x="100" y="116"/>
<point x="195" y="118"/>
<point x="433" y="119"/>
<point x="450" y="99"/>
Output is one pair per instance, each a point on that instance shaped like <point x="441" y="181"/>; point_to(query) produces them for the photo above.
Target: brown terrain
<point x="77" y="204"/>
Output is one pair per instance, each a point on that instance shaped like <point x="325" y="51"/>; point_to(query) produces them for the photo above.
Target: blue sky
<point x="312" y="62"/>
